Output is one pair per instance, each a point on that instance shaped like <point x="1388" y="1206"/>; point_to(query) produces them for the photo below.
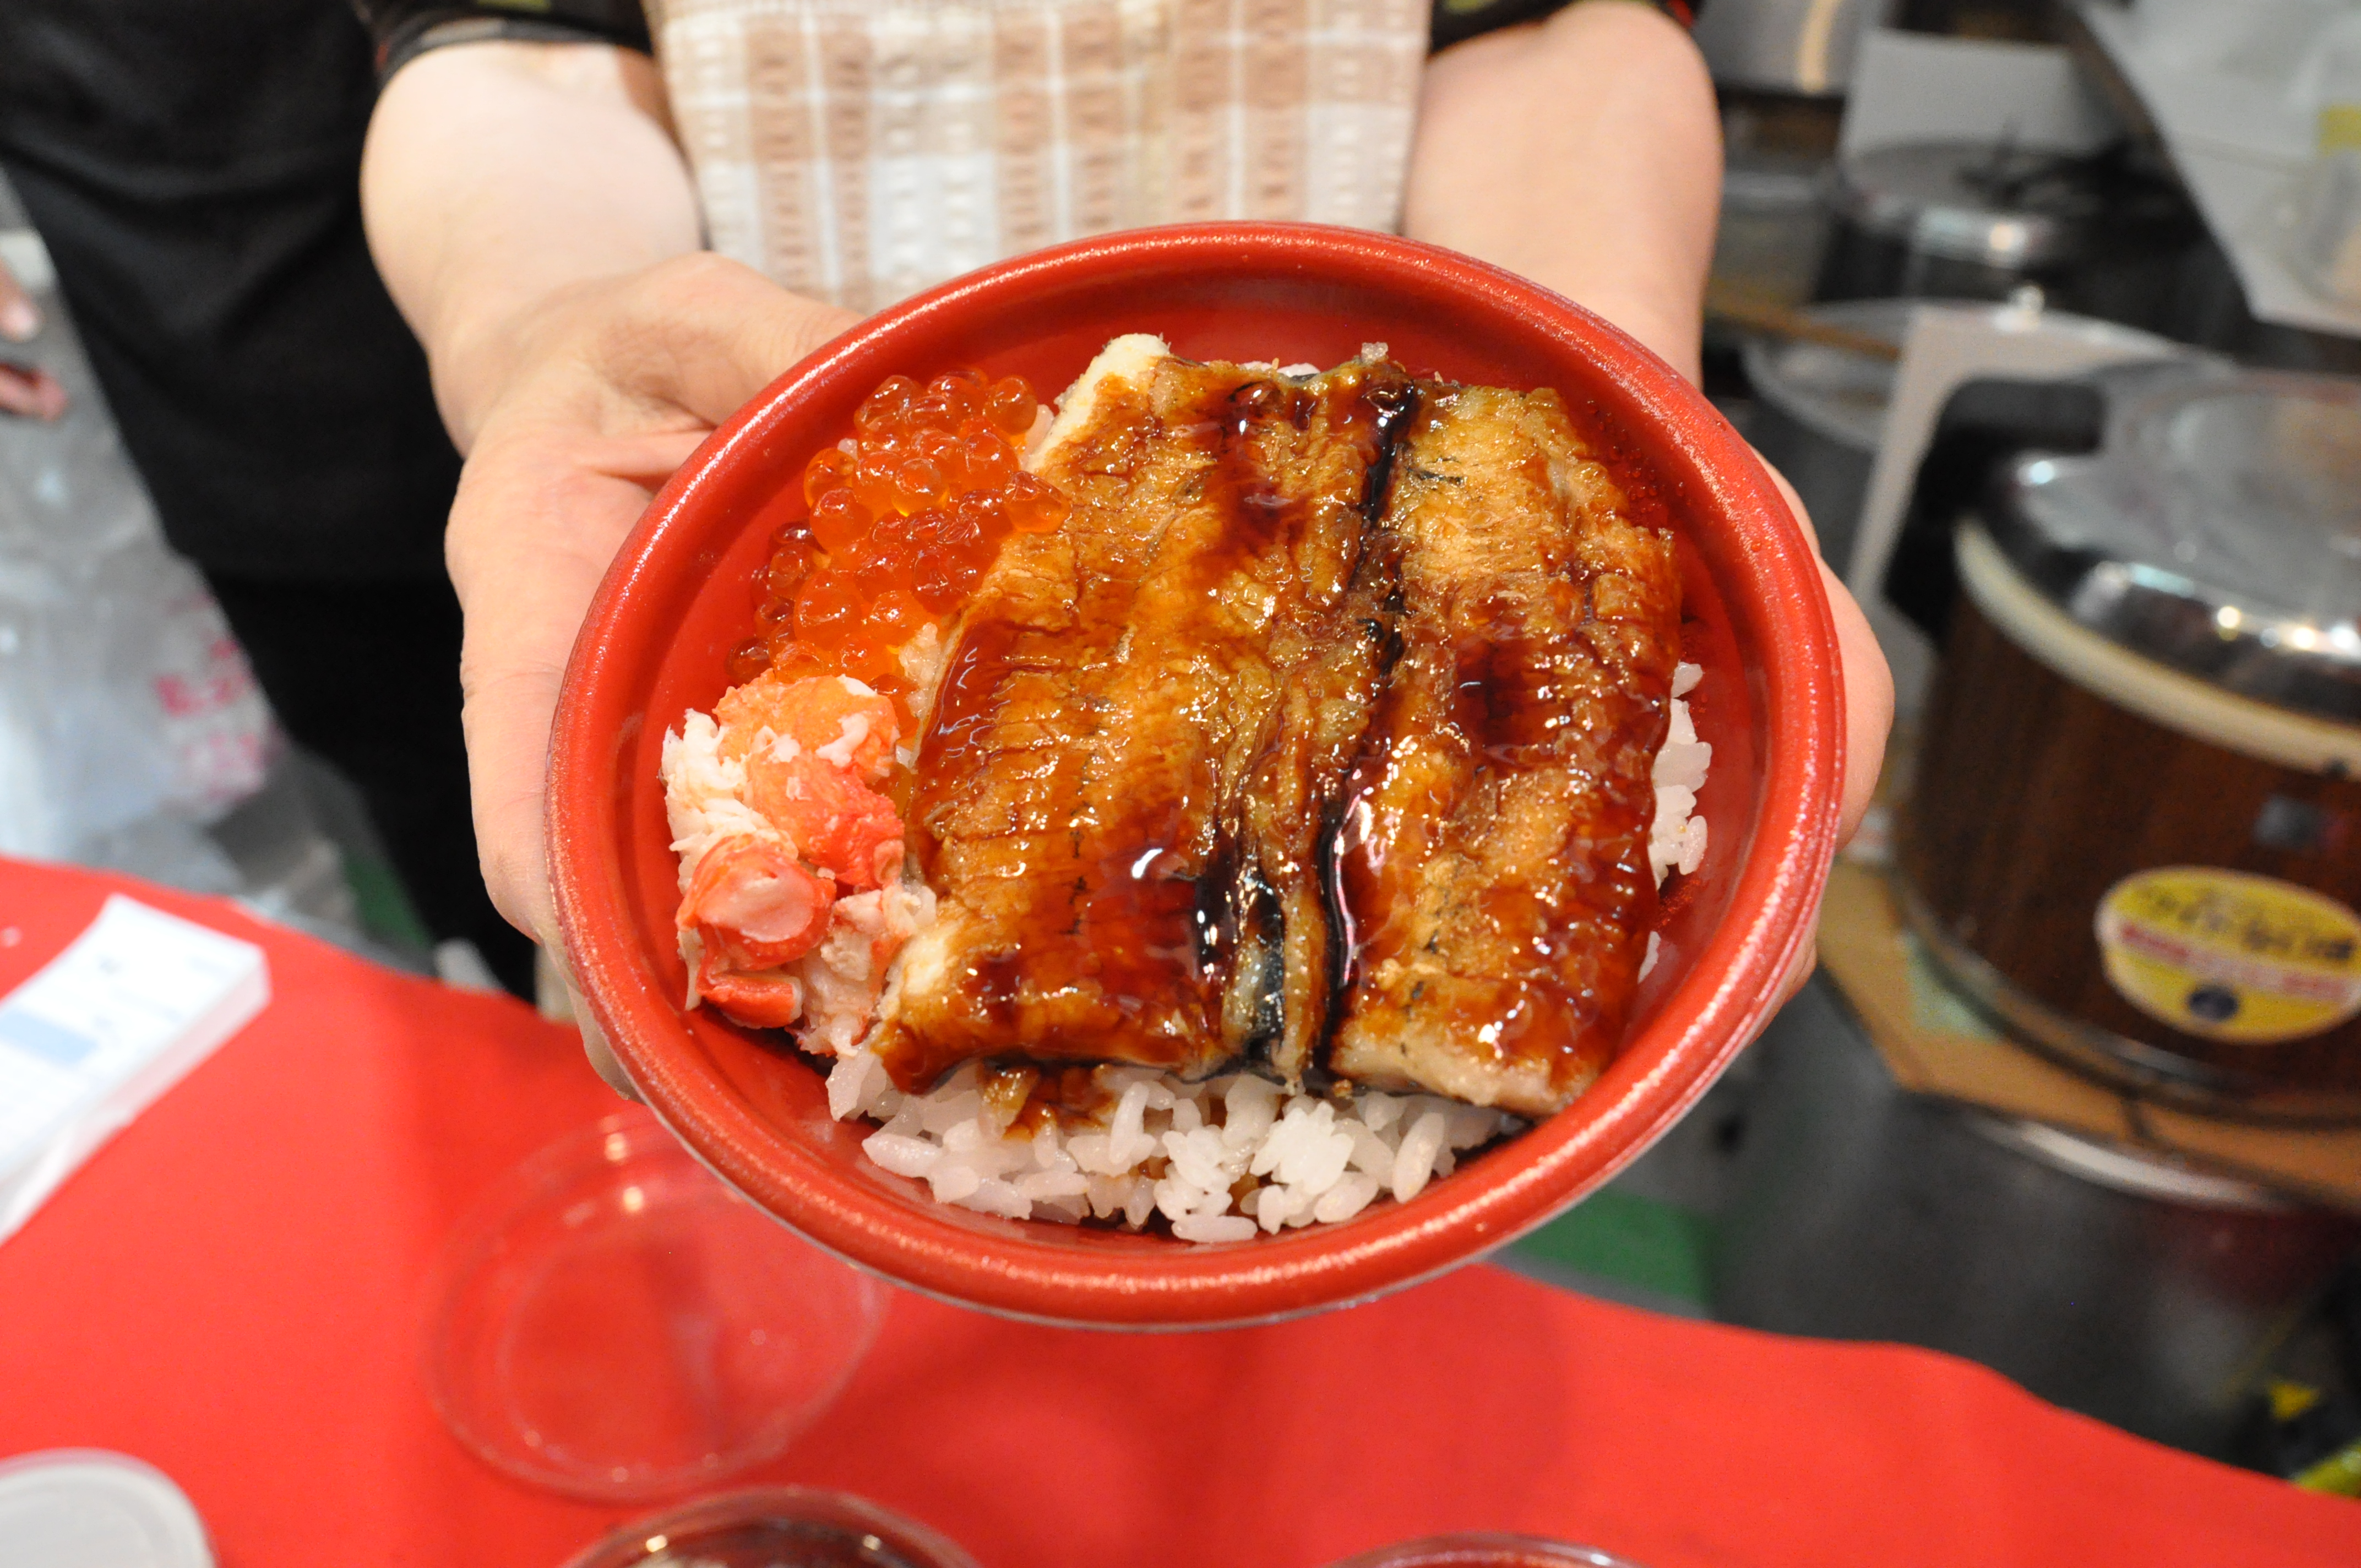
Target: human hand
<point x="1585" y="153"/>
<point x="603" y="390"/>
<point x="1869" y="708"/>
<point x="26" y="392"/>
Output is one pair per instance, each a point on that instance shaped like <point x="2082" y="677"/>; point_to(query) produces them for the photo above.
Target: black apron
<point x="192" y="165"/>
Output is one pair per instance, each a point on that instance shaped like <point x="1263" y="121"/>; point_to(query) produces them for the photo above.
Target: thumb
<point x="705" y="333"/>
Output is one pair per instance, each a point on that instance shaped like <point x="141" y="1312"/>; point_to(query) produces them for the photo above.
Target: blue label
<point x="37" y="1036"/>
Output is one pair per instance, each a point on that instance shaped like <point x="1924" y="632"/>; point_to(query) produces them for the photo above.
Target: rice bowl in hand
<point x="1342" y="1079"/>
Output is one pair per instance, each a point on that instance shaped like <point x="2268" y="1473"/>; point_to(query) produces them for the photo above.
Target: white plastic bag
<point x="127" y="712"/>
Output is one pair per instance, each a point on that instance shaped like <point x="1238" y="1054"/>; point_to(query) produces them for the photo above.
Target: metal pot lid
<point x="2217" y="530"/>
<point x="1975" y="201"/>
<point x="2138" y="1173"/>
<point x="1833" y="391"/>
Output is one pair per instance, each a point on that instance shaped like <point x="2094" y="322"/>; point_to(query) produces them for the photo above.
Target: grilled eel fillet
<point x="1320" y="737"/>
<point x="1140" y="727"/>
<point x="1492" y="860"/>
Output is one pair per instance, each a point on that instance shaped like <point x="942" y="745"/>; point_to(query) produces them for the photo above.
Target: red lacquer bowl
<point x="679" y="596"/>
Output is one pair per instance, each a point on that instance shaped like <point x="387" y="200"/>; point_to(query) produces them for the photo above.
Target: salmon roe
<point x="904" y="519"/>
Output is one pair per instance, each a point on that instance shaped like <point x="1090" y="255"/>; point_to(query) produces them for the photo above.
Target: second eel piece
<point x="1316" y="740"/>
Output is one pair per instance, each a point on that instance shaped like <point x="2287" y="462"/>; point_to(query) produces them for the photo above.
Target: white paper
<point x="103" y="1028"/>
<point x="2225" y="87"/>
<point x="1919" y="87"/>
<point x="1947" y="346"/>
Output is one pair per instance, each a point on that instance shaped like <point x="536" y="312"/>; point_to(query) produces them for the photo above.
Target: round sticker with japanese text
<point x="2231" y="957"/>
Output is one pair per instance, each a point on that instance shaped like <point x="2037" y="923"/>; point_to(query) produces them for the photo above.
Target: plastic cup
<point x="775" y="1527"/>
<point x="612" y="1323"/>
<point x="1486" y="1550"/>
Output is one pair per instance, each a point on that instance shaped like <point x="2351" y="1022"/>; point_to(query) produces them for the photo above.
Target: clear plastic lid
<point x="610" y="1322"/>
<point x="2217" y="529"/>
<point x="81" y="1507"/>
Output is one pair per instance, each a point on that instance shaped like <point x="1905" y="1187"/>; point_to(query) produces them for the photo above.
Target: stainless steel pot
<point x="1786" y="45"/>
<point x="1820" y="412"/>
<point x="1976" y="221"/>
<point x="2132" y="830"/>
<point x="2109" y="1280"/>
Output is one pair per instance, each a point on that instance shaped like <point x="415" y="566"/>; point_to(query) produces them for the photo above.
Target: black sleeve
<point x="1456" y="21"/>
<point x="404" y="29"/>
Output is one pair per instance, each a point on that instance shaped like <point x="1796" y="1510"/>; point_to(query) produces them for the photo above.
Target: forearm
<point x="1584" y="153"/>
<point x="498" y="175"/>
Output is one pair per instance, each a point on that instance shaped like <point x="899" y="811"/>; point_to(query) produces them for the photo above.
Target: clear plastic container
<point x="612" y="1323"/>
<point x="1485" y="1549"/>
<point x="775" y="1527"/>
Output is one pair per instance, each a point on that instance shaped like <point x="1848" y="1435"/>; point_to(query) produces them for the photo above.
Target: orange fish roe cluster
<point x="903" y="518"/>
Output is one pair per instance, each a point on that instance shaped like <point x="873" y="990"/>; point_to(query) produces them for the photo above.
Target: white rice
<point x="1677" y="840"/>
<point x="1233" y="1157"/>
<point x="1221" y="1160"/>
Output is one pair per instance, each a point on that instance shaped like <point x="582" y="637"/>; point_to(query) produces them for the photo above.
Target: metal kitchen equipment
<point x="1820" y="409"/>
<point x="1977" y="221"/>
<point x="2134" y="829"/>
<point x="2112" y="1281"/>
<point x="1803" y="47"/>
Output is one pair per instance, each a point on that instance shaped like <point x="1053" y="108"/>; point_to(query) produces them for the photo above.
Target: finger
<point x="1869" y="704"/>
<point x="536" y="520"/>
<point x="1802" y="513"/>
<point x="28" y="393"/>
<point x="1799" y="970"/>
<point x="19" y="322"/>
<point x="559" y="997"/>
<point x="1868" y="682"/>
<point x="602" y="1055"/>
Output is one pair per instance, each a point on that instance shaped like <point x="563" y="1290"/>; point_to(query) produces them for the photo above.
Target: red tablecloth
<point x="230" y="1291"/>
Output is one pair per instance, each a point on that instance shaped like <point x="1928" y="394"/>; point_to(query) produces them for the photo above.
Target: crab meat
<point x="834" y="717"/>
<point x="774" y="805"/>
<point x="757" y="1001"/>
<point x="839" y="824"/>
<point x="754" y="907"/>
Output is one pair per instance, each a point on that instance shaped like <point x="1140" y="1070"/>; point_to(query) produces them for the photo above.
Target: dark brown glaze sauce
<point x="1118" y="794"/>
<point x="1491" y="861"/>
<point x="1200" y="794"/>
